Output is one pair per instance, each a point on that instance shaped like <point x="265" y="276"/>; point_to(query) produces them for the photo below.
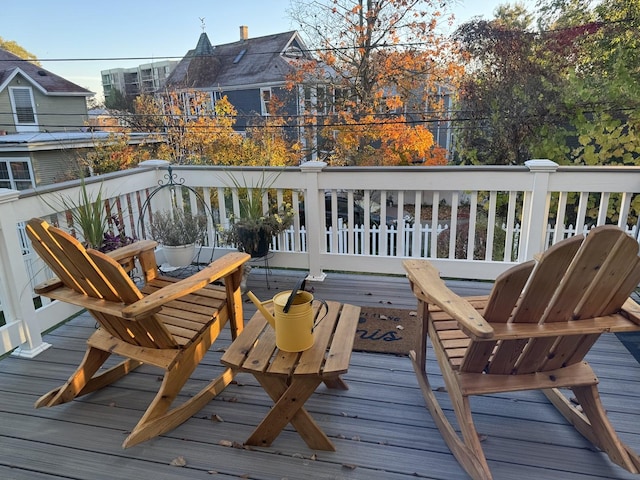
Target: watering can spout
<point x="266" y="313"/>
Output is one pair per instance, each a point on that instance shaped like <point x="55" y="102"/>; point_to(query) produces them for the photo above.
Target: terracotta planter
<point x="180" y="255"/>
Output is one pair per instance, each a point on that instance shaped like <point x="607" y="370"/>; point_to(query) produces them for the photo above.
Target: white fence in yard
<point x="471" y="222"/>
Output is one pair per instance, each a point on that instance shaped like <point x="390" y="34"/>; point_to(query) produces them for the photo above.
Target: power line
<point x="451" y="120"/>
<point x="157" y="58"/>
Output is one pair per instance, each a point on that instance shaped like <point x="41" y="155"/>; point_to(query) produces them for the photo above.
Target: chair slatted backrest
<point x="93" y="274"/>
<point x="575" y="279"/>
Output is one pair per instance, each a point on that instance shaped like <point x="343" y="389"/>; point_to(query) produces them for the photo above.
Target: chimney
<point x="244" y="32"/>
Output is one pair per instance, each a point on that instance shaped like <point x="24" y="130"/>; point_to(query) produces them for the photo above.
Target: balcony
<point x="473" y="223"/>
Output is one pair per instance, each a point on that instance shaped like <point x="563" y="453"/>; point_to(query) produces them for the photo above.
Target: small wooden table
<point x="291" y="378"/>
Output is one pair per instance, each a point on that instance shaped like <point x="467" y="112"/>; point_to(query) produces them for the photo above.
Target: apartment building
<point x="145" y="78"/>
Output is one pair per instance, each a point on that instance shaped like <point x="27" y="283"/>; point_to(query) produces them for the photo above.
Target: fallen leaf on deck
<point x="178" y="462"/>
<point x="349" y="466"/>
<point x="216" y="418"/>
<point x="225" y="443"/>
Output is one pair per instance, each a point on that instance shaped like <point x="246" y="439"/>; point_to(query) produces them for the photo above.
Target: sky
<point x="76" y="39"/>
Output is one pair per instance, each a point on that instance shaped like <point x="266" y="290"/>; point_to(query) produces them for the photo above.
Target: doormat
<point x="387" y="330"/>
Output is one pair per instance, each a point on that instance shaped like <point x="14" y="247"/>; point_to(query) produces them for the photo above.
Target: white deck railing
<point x="472" y="222"/>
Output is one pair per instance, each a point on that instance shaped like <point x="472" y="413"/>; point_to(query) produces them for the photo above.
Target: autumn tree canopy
<point x="197" y="132"/>
<point x="386" y="64"/>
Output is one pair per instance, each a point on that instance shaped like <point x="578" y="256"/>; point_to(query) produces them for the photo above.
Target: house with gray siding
<point x="250" y="73"/>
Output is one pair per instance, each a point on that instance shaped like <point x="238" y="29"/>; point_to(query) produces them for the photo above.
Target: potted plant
<point x="178" y="232"/>
<point x="89" y="219"/>
<point x="253" y="234"/>
<point x="254" y="228"/>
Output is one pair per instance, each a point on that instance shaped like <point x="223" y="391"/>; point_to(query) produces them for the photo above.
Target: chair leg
<point x="157" y="420"/>
<point x="594" y="424"/>
<point x="468" y="452"/>
<point x="78" y="382"/>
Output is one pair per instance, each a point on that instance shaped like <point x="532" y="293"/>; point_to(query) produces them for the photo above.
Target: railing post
<point x="536" y="209"/>
<point x="314" y="223"/>
<point x="17" y="302"/>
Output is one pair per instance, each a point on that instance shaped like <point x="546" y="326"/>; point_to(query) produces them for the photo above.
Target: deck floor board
<point x="380" y="426"/>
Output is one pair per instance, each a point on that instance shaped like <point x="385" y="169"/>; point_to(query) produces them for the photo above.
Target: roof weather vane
<point x="203" y="26"/>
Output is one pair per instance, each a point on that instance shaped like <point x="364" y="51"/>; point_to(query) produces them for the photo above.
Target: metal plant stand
<point x="174" y="185"/>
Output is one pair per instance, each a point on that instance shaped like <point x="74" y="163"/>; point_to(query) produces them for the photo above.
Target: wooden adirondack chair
<point x="167" y="323"/>
<point x="532" y="332"/>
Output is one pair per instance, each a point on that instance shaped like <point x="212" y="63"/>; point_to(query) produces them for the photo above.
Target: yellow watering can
<point x="293" y="320"/>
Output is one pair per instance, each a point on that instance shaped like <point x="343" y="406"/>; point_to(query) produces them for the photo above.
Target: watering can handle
<point x="294" y="292"/>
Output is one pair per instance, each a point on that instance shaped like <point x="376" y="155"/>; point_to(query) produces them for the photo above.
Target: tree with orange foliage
<point x="388" y="65"/>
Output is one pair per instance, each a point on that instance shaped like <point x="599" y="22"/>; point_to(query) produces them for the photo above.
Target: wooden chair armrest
<point x="144" y="251"/>
<point x="47" y="286"/>
<point x="120" y="255"/>
<point x="616" y="323"/>
<point x="132" y="250"/>
<point x="218" y="269"/>
<point x="429" y="287"/>
<point x="68" y="295"/>
<point x="631" y="310"/>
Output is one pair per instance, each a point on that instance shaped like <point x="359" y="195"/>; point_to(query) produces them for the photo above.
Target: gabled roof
<point x="251" y="61"/>
<point x="47" y="82"/>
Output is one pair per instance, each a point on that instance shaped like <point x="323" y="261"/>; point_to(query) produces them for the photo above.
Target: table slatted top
<point x="255" y="349"/>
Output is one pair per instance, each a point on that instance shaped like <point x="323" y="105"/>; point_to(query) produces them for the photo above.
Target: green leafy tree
<point x="604" y="88"/>
<point x="510" y="89"/>
<point x="569" y="92"/>
<point x="116" y="100"/>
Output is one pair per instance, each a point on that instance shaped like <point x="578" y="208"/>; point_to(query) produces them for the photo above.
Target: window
<point x="24" y="109"/>
<point x="15" y="174"/>
<point x="265" y="100"/>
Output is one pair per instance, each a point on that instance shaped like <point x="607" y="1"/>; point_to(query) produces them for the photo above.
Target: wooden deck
<point x="380" y="425"/>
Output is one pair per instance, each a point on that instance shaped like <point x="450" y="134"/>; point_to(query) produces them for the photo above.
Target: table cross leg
<point x="289" y="408"/>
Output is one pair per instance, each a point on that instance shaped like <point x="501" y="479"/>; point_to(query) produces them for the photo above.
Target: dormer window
<point x="293" y="52"/>
<point x="24" y="109"/>
<point x="240" y="55"/>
